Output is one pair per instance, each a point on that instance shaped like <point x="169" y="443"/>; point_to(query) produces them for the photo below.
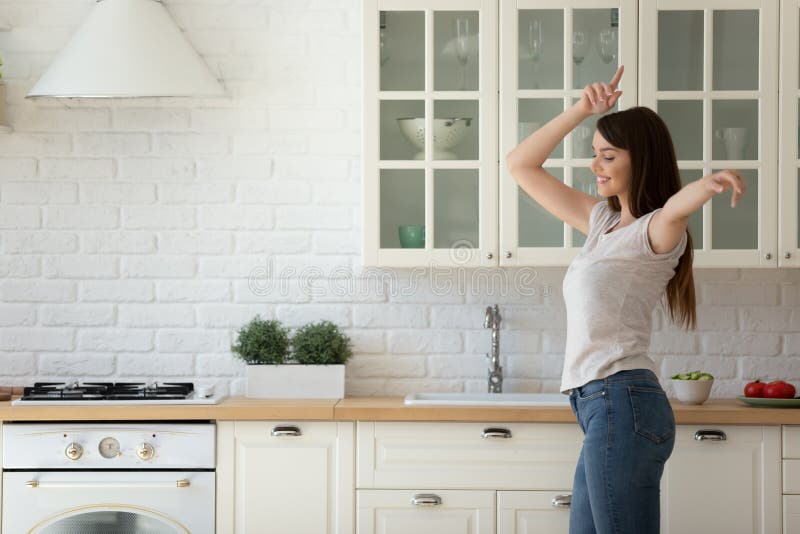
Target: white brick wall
<point x="136" y="235"/>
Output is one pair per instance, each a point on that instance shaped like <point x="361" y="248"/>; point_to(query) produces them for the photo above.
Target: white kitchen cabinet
<point x="550" y="50"/>
<point x="731" y="485"/>
<point x="527" y="456"/>
<point x="430" y="73"/>
<point x="791" y="479"/>
<point x="425" y="512"/>
<point x="285" y="477"/>
<point x="789" y="146"/>
<point x="712" y="75"/>
<point x="532" y="512"/>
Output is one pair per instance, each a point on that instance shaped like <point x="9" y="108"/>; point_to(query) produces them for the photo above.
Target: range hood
<point x="127" y="48"/>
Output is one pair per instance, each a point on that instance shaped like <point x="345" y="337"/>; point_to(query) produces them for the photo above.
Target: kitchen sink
<point x="487" y="399"/>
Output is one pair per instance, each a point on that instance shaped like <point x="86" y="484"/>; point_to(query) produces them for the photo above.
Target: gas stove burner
<point x="114" y="392"/>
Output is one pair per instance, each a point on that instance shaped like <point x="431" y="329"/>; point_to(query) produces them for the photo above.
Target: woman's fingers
<point x="617" y="77"/>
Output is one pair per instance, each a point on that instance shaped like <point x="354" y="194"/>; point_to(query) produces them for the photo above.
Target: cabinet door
<point x="730" y="485"/>
<point x="430" y="73"/>
<point x="285" y="477"/>
<point x="789" y="160"/>
<point x="425" y="512"/>
<point x="532" y="512"/>
<point x="550" y="51"/>
<point x="709" y="68"/>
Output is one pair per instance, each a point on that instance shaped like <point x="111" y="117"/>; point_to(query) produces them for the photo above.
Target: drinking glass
<point x="535" y="43"/>
<point x="462" y="27"/>
<point x="608" y="44"/>
<point x="580" y="46"/>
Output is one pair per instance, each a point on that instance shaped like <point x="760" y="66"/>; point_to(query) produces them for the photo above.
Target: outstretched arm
<point x="666" y="227"/>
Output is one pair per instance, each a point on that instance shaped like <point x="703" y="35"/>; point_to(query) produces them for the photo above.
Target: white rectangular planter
<point x="295" y="381"/>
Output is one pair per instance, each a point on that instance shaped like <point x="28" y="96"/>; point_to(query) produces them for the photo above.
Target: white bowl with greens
<point x="692" y="388"/>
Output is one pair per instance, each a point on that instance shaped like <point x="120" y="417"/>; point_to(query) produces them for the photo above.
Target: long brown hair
<point x="654" y="178"/>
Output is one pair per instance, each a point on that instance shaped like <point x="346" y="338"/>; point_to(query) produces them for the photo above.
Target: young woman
<point x="637" y="250"/>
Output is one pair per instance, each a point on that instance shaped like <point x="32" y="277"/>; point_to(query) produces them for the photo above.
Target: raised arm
<point x="525" y="161"/>
<point x="667" y="227"/>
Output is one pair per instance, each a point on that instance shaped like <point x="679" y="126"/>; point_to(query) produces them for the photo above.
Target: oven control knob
<point x="145" y="451"/>
<point x="73" y="451"/>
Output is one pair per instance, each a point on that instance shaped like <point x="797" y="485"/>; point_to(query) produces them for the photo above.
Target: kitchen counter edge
<point x="713" y="411"/>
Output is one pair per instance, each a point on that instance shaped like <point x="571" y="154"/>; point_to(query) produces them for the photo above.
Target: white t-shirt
<point x="610" y="291"/>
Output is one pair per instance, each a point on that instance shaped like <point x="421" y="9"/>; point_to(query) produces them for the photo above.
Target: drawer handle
<point x="562" y="501"/>
<point x="713" y="435"/>
<point x="496" y="432"/>
<point x="426" y="499"/>
<point x="286" y="431"/>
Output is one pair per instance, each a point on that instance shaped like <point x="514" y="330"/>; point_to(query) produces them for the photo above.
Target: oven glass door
<point x="95" y="502"/>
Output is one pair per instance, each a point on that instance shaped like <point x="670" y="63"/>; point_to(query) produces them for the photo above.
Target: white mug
<point x="735" y="140"/>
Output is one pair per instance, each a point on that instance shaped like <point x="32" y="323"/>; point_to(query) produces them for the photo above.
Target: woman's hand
<point x="724" y="180"/>
<point x="599" y="97"/>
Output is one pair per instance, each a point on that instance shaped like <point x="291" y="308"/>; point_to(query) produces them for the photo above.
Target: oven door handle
<point x="166" y="484"/>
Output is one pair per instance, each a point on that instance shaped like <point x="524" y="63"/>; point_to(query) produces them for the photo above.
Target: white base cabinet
<point x="280" y="477"/>
<point x="731" y="485"/>
<point x="791" y="479"/>
<point x="532" y="512"/>
<point x="426" y="512"/>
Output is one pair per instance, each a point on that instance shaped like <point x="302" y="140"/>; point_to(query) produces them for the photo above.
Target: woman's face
<point x="611" y="166"/>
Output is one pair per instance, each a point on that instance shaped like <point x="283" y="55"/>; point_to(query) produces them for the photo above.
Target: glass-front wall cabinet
<point x="789" y="160"/>
<point x="430" y="115"/>
<point x="712" y="77"/>
<point x="552" y="51"/>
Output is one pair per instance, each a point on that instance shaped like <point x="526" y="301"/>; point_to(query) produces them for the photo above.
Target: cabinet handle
<point x="286" y="431"/>
<point x="562" y="501"/>
<point x="508" y="254"/>
<point x="787" y="255"/>
<point x="489" y="256"/>
<point x="426" y="499"/>
<point x="768" y="256"/>
<point x="713" y="435"/>
<point x="495" y="432"/>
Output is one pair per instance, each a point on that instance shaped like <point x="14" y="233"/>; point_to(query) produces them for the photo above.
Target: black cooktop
<point x="90" y="391"/>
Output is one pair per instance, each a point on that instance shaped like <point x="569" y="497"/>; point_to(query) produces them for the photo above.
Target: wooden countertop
<point x="713" y="411"/>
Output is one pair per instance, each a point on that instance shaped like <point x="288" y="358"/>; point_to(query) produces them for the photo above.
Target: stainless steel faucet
<point x="492" y="321"/>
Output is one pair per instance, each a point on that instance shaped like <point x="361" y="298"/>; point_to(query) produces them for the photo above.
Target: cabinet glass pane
<point x="535" y="113"/>
<point x="735" y="124"/>
<point x="583" y="179"/>
<point x="736" y="49"/>
<point x="680" y="50"/>
<point x="455" y="42"/>
<point x="402" y="129"/>
<point x="798" y="207"/>
<point x="541" y="49"/>
<point x="696" y="218"/>
<point x="536" y="226"/>
<point x="455" y="129"/>
<point x="798" y="130"/>
<point x="402" y="50"/>
<point x="455" y="208"/>
<point x="736" y="228"/>
<point x="684" y="118"/>
<point x="595" y="45"/>
<point x="583" y="134"/>
<point x="402" y="208"/>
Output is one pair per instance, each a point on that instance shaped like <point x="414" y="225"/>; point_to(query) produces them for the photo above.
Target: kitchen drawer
<point x="467" y="455"/>
<point x="791" y="477"/>
<point x="791" y="514"/>
<point x="791" y="441"/>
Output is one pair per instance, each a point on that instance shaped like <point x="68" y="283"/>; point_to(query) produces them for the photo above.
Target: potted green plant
<point x="313" y="369"/>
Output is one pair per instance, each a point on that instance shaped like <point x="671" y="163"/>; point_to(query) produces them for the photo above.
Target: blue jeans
<point x="629" y="433"/>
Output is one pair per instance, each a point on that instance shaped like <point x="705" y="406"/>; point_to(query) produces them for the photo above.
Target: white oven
<point x="101" y="478"/>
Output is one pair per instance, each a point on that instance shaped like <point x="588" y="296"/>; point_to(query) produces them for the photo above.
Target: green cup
<point x="412" y="235"/>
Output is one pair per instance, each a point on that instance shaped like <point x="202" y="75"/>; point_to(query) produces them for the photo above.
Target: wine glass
<point x="384" y="48"/>
<point x="535" y="43"/>
<point x="608" y="44"/>
<point x="462" y="26"/>
<point x="580" y="46"/>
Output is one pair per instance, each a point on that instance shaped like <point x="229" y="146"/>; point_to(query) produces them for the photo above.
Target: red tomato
<point x="754" y="389"/>
<point x="779" y="390"/>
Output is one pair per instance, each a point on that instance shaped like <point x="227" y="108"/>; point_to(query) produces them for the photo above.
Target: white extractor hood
<point x="127" y="48"/>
